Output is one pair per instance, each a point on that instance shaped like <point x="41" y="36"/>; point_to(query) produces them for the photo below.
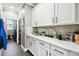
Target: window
<point x="9" y="23"/>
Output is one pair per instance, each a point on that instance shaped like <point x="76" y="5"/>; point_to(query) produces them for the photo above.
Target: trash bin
<point x="1" y="46"/>
<point x="9" y="37"/>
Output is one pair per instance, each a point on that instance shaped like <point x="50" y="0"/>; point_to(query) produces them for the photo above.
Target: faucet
<point x="54" y="32"/>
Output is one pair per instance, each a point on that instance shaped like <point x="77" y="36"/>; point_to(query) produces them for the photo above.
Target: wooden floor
<point x="14" y="49"/>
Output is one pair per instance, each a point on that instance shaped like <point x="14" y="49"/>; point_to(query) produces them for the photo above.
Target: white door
<point x="66" y="13"/>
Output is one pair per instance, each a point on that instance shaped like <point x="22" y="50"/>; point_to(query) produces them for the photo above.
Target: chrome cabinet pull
<point x="58" y="51"/>
<point x="42" y="44"/>
<point x="53" y="20"/>
<point x="35" y="23"/>
<point x="50" y="54"/>
<point x="56" y="20"/>
<point x="47" y="53"/>
<point x="33" y="40"/>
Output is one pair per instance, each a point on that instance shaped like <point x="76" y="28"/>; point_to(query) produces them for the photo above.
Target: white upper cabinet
<point x="43" y="14"/>
<point x="55" y="14"/>
<point x="47" y="14"/>
<point x="65" y="13"/>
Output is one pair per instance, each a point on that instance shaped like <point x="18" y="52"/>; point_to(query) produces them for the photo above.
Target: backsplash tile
<point x="59" y="29"/>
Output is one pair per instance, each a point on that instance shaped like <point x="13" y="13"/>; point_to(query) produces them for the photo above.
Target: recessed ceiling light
<point x="11" y="7"/>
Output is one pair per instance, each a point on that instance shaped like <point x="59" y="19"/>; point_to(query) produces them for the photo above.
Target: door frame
<point x="19" y="19"/>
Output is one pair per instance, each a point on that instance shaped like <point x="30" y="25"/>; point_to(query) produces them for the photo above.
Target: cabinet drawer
<point x="44" y="44"/>
<point x="59" y="51"/>
<point x="71" y="53"/>
<point x="33" y="40"/>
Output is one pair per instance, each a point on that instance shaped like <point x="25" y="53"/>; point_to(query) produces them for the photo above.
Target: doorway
<point x="19" y="27"/>
<point x="11" y="25"/>
<point x="22" y="32"/>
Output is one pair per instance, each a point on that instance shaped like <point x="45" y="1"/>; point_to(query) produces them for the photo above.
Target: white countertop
<point x="63" y="44"/>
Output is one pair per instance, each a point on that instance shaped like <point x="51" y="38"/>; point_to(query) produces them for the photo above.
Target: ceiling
<point x="14" y="7"/>
<point x="32" y="4"/>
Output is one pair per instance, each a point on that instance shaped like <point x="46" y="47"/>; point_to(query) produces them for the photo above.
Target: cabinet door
<point x="65" y="13"/>
<point x="33" y="46"/>
<point x="53" y="53"/>
<point x="43" y="51"/>
<point x="27" y="42"/>
<point x="57" y="51"/>
<point x="30" y="47"/>
<point x="43" y="48"/>
<point x="43" y="14"/>
<point x="71" y="53"/>
<point x="47" y="14"/>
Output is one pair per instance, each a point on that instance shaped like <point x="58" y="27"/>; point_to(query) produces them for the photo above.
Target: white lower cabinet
<point x="57" y="51"/>
<point x="43" y="49"/>
<point x="30" y="46"/>
<point x="33" y="46"/>
<point x="71" y="53"/>
<point x="27" y="42"/>
<point x="66" y="13"/>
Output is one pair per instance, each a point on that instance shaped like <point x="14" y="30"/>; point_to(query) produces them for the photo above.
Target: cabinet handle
<point x="53" y="21"/>
<point x="33" y="40"/>
<point x="58" y="51"/>
<point x="35" y="23"/>
<point x="42" y="44"/>
<point x="30" y="43"/>
<point x="47" y="53"/>
<point x="56" y="19"/>
<point x="50" y="54"/>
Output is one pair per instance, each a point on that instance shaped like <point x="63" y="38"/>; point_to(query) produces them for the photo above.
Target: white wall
<point x="28" y="15"/>
<point x="28" y="23"/>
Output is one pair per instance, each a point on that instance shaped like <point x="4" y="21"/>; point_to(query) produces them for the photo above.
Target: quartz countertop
<point x="71" y="46"/>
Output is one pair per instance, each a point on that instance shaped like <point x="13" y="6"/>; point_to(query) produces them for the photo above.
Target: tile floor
<point x="14" y="49"/>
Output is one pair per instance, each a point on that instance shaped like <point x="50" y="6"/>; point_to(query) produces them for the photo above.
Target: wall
<point x="65" y="29"/>
<point x="28" y="22"/>
<point x="28" y="16"/>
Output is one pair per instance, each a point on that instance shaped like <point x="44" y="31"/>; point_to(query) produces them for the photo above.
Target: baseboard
<point x="24" y="49"/>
